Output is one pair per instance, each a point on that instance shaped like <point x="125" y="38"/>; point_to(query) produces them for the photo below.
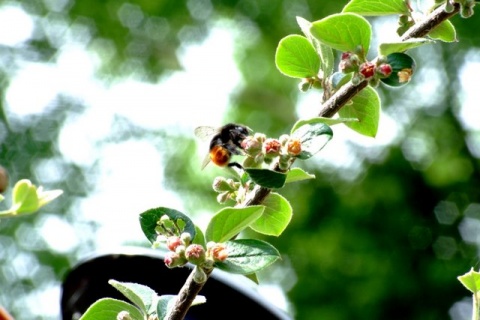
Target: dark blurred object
<point x="4" y="315"/>
<point x="88" y="282"/>
<point x="3" y="179"/>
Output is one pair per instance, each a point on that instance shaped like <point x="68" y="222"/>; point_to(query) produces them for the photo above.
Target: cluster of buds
<point x="260" y="149"/>
<point x="228" y="189"/>
<point x="362" y="70"/>
<point x="181" y="250"/>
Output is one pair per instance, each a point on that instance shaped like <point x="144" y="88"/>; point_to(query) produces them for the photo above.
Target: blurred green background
<point x="100" y="99"/>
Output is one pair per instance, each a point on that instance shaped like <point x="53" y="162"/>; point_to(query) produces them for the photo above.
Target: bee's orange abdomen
<point x="220" y="156"/>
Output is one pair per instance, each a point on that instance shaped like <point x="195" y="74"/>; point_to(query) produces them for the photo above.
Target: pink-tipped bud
<point x="218" y="251"/>
<point x="173" y="260"/>
<point x="173" y="242"/>
<point x="195" y="254"/>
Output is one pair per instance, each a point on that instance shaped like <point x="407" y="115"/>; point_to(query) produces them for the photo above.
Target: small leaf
<point x="471" y="280"/>
<point x="296" y="57"/>
<point x="313" y="136"/>
<point x="246" y="256"/>
<point x="445" y="31"/>
<point x="344" y="32"/>
<point x="325" y="53"/>
<point x="298" y="174"/>
<point x="391" y="47"/>
<point x="267" y="178"/>
<point x="199" y="237"/>
<point x="164" y="305"/>
<point x="276" y="217"/>
<point x="142" y="296"/>
<point x="376" y="7"/>
<point x="149" y="219"/>
<point x="108" y="309"/>
<point x="365" y="107"/>
<point x="229" y="222"/>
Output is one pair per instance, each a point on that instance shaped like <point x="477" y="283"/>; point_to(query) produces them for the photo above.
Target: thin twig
<point x="328" y="109"/>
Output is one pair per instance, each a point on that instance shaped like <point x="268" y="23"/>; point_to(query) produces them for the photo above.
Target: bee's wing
<point x="206" y="161"/>
<point x="205" y="132"/>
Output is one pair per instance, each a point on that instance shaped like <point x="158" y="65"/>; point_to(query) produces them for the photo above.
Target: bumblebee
<point x="225" y="142"/>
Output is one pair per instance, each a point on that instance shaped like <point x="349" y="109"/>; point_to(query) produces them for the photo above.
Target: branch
<point x="328" y="109"/>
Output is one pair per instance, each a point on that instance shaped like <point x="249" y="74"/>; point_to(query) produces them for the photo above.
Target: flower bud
<point x="367" y="69"/>
<point x="217" y="251"/>
<point x="220" y="184"/>
<point x="272" y="147"/>
<point x="384" y="70"/>
<point x="186" y="238"/>
<point x="173" y="259"/>
<point x="349" y="62"/>
<point x="173" y="242"/>
<point x="195" y="254"/>
<point x="223" y="197"/>
<point x="251" y="145"/>
<point x="294" y="147"/>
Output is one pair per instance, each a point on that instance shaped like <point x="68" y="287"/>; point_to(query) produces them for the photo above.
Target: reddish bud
<point x="272" y="146"/>
<point x="173" y="242"/>
<point x="384" y="70"/>
<point x="367" y="69"/>
<point x="173" y="260"/>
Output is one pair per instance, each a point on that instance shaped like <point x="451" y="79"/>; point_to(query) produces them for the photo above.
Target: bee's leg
<point x="236" y="165"/>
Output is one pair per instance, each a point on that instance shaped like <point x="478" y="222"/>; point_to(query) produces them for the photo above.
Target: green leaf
<point x="471" y="281"/>
<point x="167" y="301"/>
<point x="365" y="107"/>
<point x="327" y="60"/>
<point x="108" y="309"/>
<point x="149" y="219"/>
<point x="391" y="47"/>
<point x="164" y="305"/>
<point x="229" y="222"/>
<point x="199" y="237"/>
<point x="296" y="57"/>
<point x="327" y="121"/>
<point x="376" y="7"/>
<point x="276" y="217"/>
<point x="313" y="136"/>
<point x="298" y="174"/>
<point x="246" y="256"/>
<point x="142" y="296"/>
<point x="267" y="178"/>
<point x="445" y="31"/>
<point x="344" y="32"/>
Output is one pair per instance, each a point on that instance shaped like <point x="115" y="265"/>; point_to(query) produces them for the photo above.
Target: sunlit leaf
<point x="344" y="32"/>
<point x="365" y="107"/>
<point x="387" y="48"/>
<point x="376" y="7"/>
<point x="229" y="222"/>
<point x="445" y="31"/>
<point x="296" y="57"/>
<point x="276" y="217"/>
<point x="298" y="174"/>
<point x="142" y="296"/>
<point x="471" y="280"/>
